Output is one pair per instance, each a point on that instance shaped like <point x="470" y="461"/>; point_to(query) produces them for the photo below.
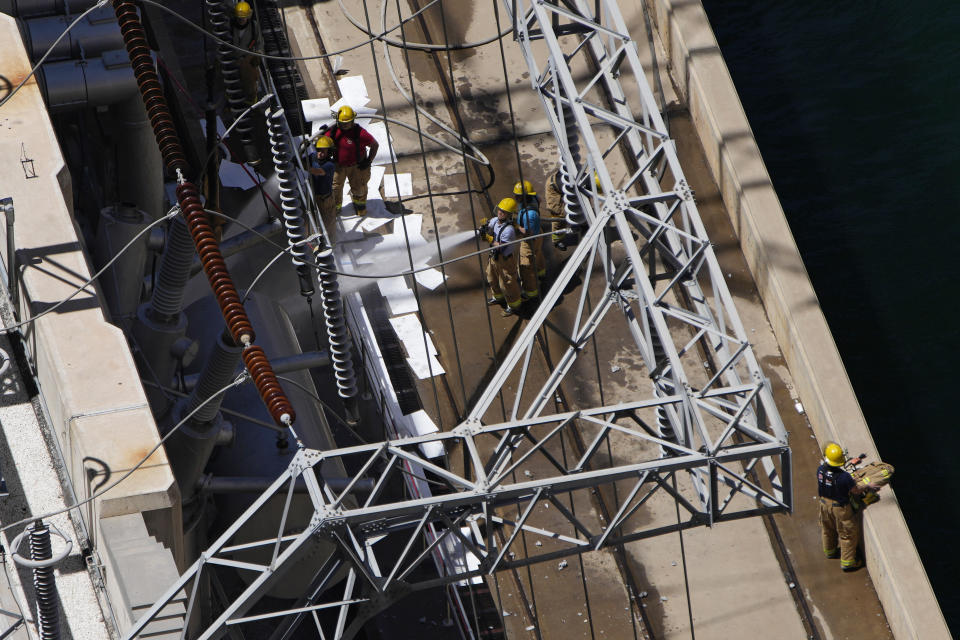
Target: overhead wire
<point x="421" y="136"/>
<point x="433" y="215"/>
<point x="235" y="382"/>
<point x="406" y="231"/>
<point x="418" y="110"/>
<point x="470" y="191"/>
<point x="170" y="214"/>
<point x="418" y="46"/>
<point x="372" y="37"/>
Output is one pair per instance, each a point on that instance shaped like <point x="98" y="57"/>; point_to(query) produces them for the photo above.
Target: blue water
<point x="856" y="109"/>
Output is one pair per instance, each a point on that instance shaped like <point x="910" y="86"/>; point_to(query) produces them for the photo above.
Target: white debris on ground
<point x="360" y="247"/>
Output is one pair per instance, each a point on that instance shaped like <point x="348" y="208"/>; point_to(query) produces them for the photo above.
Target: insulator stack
<point x="141" y="61"/>
<point x="266" y="381"/>
<point x="294" y="223"/>
<point x="48" y="604"/>
<point x="229" y="58"/>
<point x="217" y="373"/>
<point x="204" y="239"/>
<point x="213" y="263"/>
<point x="568" y="184"/>
<point x="166" y="301"/>
<point x="340" y="355"/>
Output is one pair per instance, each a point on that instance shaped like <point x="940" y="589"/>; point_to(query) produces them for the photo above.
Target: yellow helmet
<point x="509" y="205"/>
<point x="346" y="114"/>
<point x="834" y="454"/>
<point x="243" y="9"/>
<point x="524" y="187"/>
<point x="324" y="142"/>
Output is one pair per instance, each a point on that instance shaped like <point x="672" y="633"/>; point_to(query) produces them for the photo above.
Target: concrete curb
<point x="702" y="78"/>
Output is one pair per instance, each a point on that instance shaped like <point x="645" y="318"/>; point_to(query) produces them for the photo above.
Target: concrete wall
<point x="86" y="373"/>
<point x="702" y="79"/>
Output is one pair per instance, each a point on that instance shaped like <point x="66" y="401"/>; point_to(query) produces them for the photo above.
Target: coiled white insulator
<point x="339" y="341"/>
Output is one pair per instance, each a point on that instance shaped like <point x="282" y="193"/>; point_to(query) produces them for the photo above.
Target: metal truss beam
<point x="470" y="516"/>
<point x="709" y="440"/>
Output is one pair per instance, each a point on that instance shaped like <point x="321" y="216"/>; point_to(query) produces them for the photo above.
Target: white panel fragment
<point x="420" y="349"/>
<point x="315" y="109"/>
<point x="431" y="278"/>
<point x="397" y="185"/>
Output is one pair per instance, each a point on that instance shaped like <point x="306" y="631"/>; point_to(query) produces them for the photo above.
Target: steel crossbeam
<point x="476" y="499"/>
<point x="708" y="440"/>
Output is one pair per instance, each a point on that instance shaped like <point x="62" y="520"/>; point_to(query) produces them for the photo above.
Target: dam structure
<point x="243" y="413"/>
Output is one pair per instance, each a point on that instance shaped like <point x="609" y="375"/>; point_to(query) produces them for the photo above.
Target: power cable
<point x="436" y="226"/>
<point x="320" y="56"/>
<point x="236" y="382"/>
<point x="326" y="406"/>
<point x="170" y="214"/>
<point x="417" y="46"/>
<point x="410" y="99"/>
<point x="683" y="558"/>
<point x="8" y="97"/>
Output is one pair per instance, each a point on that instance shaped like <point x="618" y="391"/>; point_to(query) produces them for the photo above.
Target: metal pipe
<point x="32" y="8"/>
<point x="96" y="33"/>
<point x="189" y="449"/>
<point x="122" y="283"/>
<point x="242" y="241"/>
<point x="74" y="84"/>
<point x="139" y="163"/>
<point x="240" y="484"/>
<point x="296" y="362"/>
<point x="12" y="284"/>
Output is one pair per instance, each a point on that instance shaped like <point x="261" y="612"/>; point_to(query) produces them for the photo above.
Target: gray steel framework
<point x="711" y="441"/>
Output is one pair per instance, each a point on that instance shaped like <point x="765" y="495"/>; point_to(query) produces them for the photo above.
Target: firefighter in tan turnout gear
<point x="532" y="265"/>
<point x="839" y="523"/>
<point x="502" y="264"/>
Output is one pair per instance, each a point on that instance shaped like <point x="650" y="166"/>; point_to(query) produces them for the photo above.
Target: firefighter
<point x="321" y="166"/>
<point x="555" y="209"/>
<point x="532" y="264"/>
<point x="355" y="150"/>
<point x="502" y="264"/>
<point x="837" y="516"/>
<point x="245" y="36"/>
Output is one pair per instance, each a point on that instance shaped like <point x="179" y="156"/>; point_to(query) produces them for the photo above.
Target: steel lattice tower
<point x="712" y="441"/>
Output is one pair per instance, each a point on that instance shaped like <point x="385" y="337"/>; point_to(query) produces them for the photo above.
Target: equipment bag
<point x="875" y="473"/>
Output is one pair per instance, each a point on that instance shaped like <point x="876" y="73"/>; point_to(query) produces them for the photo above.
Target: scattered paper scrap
<point x="398" y="295"/>
<point x="422" y="425"/>
<point x="397" y="185"/>
<point x="431" y="278"/>
<point x="352" y="86"/>
<point x="420" y="350"/>
<point x="315" y="109"/>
